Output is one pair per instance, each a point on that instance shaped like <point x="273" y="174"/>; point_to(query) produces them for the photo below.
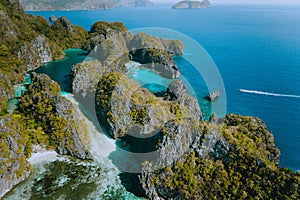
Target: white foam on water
<point x="268" y="93"/>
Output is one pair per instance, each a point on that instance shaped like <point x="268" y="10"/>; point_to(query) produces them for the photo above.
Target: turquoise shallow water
<point x="59" y="71"/>
<point x="255" y="48"/>
<point x="147" y="78"/>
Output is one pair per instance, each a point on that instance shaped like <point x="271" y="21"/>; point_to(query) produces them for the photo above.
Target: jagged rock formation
<point x="52" y="18"/>
<point x="223" y="160"/>
<point x="156" y="53"/>
<point x="232" y="149"/>
<point x="46" y="119"/>
<point x="82" y="4"/>
<point x="230" y="158"/>
<point x="35" y="53"/>
<point x="14" y="145"/>
<point x="146" y="122"/>
<point x="108" y="43"/>
<point x="179" y="93"/>
<point x="192" y="4"/>
<point x="212" y="96"/>
<point x="114" y="46"/>
<point x="62" y="122"/>
<point x="76" y="126"/>
<point x="62" y="29"/>
<point x="85" y="77"/>
<point x="28" y="41"/>
<point x="122" y="105"/>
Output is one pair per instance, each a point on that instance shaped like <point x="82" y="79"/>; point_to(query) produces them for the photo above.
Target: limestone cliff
<point x="28" y="41"/>
<point x="113" y="46"/>
<point x="222" y="162"/>
<point x="35" y="53"/>
<point x="156" y="53"/>
<point x="144" y="121"/>
<point x="230" y="158"/>
<point x="62" y="122"/>
<point x="67" y="35"/>
<point x="79" y="136"/>
<point x="44" y="118"/>
<point x="14" y="146"/>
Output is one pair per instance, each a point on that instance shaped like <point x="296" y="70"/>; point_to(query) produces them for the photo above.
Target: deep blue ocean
<point x="255" y="48"/>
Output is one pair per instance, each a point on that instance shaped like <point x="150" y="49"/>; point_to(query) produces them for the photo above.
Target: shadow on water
<point x="127" y="164"/>
<point x="132" y="183"/>
<point x="59" y="70"/>
<point x="131" y="152"/>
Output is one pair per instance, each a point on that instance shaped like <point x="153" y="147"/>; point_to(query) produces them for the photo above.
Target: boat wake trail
<point x="268" y="93"/>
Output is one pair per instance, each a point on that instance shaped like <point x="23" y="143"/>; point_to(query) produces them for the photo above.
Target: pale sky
<point x="275" y="2"/>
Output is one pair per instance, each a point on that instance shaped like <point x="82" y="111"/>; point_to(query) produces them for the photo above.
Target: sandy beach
<point x="39" y="157"/>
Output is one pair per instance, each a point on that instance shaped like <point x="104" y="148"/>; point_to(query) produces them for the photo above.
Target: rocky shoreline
<point x="189" y="155"/>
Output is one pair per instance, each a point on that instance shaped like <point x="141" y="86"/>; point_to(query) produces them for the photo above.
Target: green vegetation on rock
<point x="15" y="147"/>
<point x="23" y="37"/>
<point x="248" y="171"/>
<point x="122" y="105"/>
<point x="38" y="105"/>
<point x="235" y="159"/>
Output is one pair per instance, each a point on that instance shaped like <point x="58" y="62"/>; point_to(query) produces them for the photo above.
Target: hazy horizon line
<point x="267" y="2"/>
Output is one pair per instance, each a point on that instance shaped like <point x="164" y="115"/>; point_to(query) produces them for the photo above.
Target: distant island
<point x="33" y="5"/>
<point x="192" y="4"/>
<point x="233" y="157"/>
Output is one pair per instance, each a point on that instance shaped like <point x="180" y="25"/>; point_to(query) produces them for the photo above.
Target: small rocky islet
<point x="231" y="157"/>
<point x="192" y="4"/>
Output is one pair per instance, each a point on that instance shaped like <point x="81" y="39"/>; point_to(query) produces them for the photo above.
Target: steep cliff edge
<point x="235" y="159"/>
<point x="28" y="41"/>
<point x="194" y="159"/>
<point x="15" y="147"/>
<point x="61" y="122"/>
<point x="51" y="121"/>
<point x="230" y="158"/>
<point x="35" y="53"/>
<point x="113" y="46"/>
<point x="156" y="53"/>
<point x="145" y="122"/>
<point x="46" y="119"/>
